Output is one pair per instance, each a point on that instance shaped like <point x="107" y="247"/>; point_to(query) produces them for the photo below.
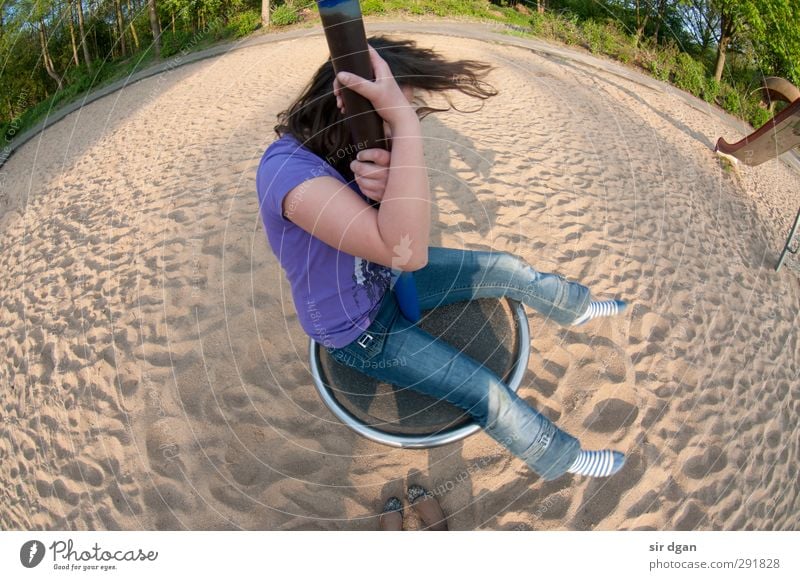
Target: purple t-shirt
<point x="336" y="295"/>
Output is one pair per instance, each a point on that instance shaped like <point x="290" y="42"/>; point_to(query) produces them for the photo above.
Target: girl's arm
<point x="398" y="234"/>
<point x="404" y="215"/>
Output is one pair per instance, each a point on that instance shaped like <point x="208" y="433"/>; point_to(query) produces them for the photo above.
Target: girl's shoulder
<point x="287" y="163"/>
<point x="291" y="149"/>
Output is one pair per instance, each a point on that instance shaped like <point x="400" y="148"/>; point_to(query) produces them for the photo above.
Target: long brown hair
<point x="316" y="122"/>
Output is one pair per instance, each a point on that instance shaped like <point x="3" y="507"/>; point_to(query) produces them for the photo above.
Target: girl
<point x="341" y="254"/>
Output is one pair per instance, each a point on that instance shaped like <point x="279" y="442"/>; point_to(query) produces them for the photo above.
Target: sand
<point x="153" y="373"/>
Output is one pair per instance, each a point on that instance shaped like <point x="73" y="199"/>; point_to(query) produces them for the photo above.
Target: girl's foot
<point x="601" y="308"/>
<point x="597" y="463"/>
<point x="427" y="508"/>
<point x="391" y="519"/>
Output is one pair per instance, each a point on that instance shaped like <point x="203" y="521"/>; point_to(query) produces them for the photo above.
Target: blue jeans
<point x="444" y="372"/>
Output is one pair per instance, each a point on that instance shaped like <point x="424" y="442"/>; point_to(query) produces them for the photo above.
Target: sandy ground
<point x="154" y="376"/>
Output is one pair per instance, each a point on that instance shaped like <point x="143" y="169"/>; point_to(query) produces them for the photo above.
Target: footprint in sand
<point x="611" y="415"/>
<point x="712" y="460"/>
<point x="602" y="496"/>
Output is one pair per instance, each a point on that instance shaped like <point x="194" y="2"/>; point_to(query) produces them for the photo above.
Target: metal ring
<point x="434" y="439"/>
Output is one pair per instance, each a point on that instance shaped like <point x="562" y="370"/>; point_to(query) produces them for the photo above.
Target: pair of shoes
<point x="391" y="519"/>
<point x="424" y="504"/>
<point x="427" y="508"/>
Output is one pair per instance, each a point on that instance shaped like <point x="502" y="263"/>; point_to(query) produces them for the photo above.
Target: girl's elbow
<point x="416" y="263"/>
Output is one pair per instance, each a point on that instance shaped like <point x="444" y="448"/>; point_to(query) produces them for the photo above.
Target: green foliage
<point x="758" y="116"/>
<point x="556" y="27"/>
<point x="711" y="90"/>
<point x="660" y="61"/>
<point x="689" y="75"/>
<point x="284" y="15"/>
<point x="372" y="7"/>
<point x="596" y="36"/>
<point x="243" y="24"/>
<point x="766" y="40"/>
<point x="173" y="42"/>
<point x="731" y="99"/>
<point x="744" y="104"/>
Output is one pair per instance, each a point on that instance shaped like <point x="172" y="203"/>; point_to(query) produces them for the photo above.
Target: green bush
<point x="556" y="27"/>
<point x="689" y="74"/>
<point x="372" y="7"/>
<point x="711" y="90"/>
<point x="758" y="117"/>
<point x="659" y="60"/>
<point x="596" y="37"/>
<point x="756" y="114"/>
<point x="173" y="42"/>
<point x="243" y="23"/>
<point x="284" y="15"/>
<point x="79" y="78"/>
<point x="731" y="100"/>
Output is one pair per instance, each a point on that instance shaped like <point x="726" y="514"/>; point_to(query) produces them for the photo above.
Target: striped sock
<point x="598" y="463"/>
<point x="601" y="308"/>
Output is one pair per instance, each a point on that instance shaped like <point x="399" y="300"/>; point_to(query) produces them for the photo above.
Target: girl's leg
<point x="453" y="275"/>
<point x="415" y="359"/>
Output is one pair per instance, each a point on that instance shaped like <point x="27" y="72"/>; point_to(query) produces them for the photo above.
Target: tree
<point x="86" y="57"/>
<point x="738" y="19"/>
<point x="132" y="28"/>
<point x="155" y="26"/>
<point x="46" y="59"/>
<point x="120" y="27"/>
<point x="265" y="13"/>
<point x="69" y="18"/>
<point x="702" y="21"/>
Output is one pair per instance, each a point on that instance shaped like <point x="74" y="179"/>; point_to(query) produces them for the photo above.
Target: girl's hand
<point x="337" y="90"/>
<point x="384" y="93"/>
<point x="372" y="172"/>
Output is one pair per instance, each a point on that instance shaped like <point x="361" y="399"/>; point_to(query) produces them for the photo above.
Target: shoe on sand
<point x="391" y="519"/>
<point x="427" y="508"/>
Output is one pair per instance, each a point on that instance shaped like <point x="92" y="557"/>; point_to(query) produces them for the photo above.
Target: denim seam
<point x="524" y="291"/>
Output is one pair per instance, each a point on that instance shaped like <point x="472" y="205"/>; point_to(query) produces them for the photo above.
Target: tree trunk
<point x="120" y="28"/>
<point x="155" y="26"/>
<point x="132" y="27"/>
<point x="726" y="31"/>
<point x="640" y="24"/>
<point x="72" y="36"/>
<point x="48" y="63"/>
<point x="84" y="44"/>
<point x="264" y="13"/>
<point x="173" y="23"/>
<point x="662" y="11"/>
